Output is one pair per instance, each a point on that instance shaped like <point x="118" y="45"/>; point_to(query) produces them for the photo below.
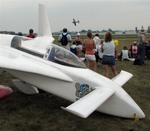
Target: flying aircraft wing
<point x="89" y="103"/>
<point x="14" y="61"/>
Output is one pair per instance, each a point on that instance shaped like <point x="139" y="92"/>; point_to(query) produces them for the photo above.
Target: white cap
<point x="78" y="34"/>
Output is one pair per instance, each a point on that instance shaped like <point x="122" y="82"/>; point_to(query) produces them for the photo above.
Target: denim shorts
<point x="108" y="60"/>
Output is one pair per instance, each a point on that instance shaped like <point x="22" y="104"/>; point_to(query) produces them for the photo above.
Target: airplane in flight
<point x="40" y="64"/>
<point x="75" y="22"/>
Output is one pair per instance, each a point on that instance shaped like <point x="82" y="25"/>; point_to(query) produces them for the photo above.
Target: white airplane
<point x="40" y="64"/>
<point x="75" y="22"/>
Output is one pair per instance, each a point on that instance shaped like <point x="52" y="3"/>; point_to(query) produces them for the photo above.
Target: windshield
<point x="63" y="56"/>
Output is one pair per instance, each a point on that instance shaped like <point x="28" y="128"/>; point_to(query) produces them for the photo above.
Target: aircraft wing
<point x="122" y="78"/>
<point x="89" y="103"/>
<point x="38" y="44"/>
<point x="14" y="61"/>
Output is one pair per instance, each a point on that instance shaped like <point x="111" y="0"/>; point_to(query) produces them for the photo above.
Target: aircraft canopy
<point x="63" y="56"/>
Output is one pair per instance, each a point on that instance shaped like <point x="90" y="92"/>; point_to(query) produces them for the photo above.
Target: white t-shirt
<point x="100" y="53"/>
<point x="97" y="41"/>
<point x="109" y="48"/>
<point x="125" y="54"/>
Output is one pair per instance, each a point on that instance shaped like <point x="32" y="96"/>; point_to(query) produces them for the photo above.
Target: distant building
<point x="130" y="32"/>
<point x="118" y="32"/>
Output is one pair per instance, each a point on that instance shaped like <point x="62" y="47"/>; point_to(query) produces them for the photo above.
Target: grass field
<point x="42" y="112"/>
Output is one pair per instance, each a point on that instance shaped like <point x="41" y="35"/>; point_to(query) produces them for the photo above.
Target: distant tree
<point x="89" y="30"/>
<point x="83" y="31"/>
<point x="104" y="31"/>
<point x="11" y="32"/>
<point x="97" y="31"/>
<point x="110" y="30"/>
<point x="20" y="33"/>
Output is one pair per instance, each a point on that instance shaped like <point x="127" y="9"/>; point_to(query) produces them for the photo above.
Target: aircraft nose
<point x="139" y="114"/>
<point x="134" y="109"/>
<point x="122" y="107"/>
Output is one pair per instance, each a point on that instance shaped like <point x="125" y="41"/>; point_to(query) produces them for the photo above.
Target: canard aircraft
<point x="40" y="64"/>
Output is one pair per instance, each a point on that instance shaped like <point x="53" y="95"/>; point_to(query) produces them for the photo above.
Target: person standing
<point x="73" y="48"/>
<point x="100" y="53"/>
<point x="97" y="42"/>
<point x="109" y="54"/>
<point x="78" y="43"/>
<point x="89" y="47"/>
<point x="65" y="39"/>
<point x="134" y="50"/>
<point x="141" y="51"/>
<point x="31" y="34"/>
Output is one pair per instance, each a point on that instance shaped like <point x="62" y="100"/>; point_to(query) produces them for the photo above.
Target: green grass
<point x="42" y="112"/>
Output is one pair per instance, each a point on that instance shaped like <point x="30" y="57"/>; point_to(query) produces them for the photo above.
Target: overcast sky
<point x="20" y="15"/>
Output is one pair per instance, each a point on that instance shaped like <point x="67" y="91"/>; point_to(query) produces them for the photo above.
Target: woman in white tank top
<point x="109" y="52"/>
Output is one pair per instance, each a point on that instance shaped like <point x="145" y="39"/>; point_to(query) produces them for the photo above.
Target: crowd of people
<point x="96" y="50"/>
<point x="104" y="50"/>
<point x="93" y="48"/>
<point x="136" y="51"/>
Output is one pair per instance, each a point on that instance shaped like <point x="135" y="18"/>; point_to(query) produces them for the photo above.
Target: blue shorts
<point x="108" y="60"/>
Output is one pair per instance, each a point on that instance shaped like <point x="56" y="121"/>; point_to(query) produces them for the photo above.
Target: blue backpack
<point x="64" y="40"/>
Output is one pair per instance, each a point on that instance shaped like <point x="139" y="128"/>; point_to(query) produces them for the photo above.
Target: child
<point x="73" y="48"/>
<point x="125" y="54"/>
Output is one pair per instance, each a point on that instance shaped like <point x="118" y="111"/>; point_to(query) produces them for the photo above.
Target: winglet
<point x="44" y="25"/>
<point x="122" y="78"/>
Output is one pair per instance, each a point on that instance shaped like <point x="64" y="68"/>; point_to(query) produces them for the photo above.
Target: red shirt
<point x="31" y="36"/>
